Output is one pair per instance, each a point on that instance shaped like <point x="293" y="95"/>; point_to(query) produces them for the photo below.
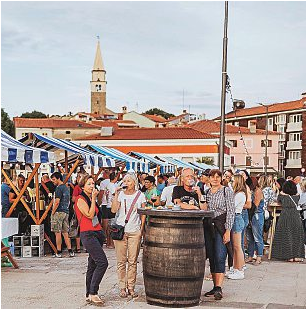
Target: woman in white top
<point x="127" y="249"/>
<point x="240" y="195"/>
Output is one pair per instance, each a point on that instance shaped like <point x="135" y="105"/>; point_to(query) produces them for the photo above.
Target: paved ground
<point x="59" y="283"/>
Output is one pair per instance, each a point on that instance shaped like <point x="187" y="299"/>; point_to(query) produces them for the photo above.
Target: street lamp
<point x="266" y="140"/>
<point x="223" y="92"/>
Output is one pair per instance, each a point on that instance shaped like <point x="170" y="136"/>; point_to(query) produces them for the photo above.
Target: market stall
<point x="16" y="154"/>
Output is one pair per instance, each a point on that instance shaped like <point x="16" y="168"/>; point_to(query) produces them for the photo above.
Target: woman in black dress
<point x="288" y="243"/>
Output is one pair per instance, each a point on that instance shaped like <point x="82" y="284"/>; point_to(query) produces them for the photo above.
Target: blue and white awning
<point x="13" y="151"/>
<point x="205" y="166"/>
<point x="123" y="159"/>
<point x="178" y="163"/>
<point x="165" y="167"/>
<point x="74" y="151"/>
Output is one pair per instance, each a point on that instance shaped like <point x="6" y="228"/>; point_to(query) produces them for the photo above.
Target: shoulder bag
<point x="117" y="231"/>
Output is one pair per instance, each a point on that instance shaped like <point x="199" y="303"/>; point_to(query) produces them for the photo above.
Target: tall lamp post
<point x="266" y="140"/>
<point x="223" y="93"/>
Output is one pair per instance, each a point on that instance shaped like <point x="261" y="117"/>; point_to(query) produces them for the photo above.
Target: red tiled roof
<point x="113" y="123"/>
<point x="178" y="117"/>
<point x="209" y="126"/>
<point x="277" y="107"/>
<point x="51" y="123"/>
<point x="152" y="134"/>
<point x="155" y="118"/>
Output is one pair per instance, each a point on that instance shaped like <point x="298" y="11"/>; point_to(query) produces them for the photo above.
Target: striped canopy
<point x="165" y="167"/>
<point x="122" y="158"/>
<point x="178" y="163"/>
<point x="13" y="151"/>
<point x="74" y="151"/>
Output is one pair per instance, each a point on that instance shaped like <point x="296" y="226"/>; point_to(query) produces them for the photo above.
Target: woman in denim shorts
<point x="240" y="195"/>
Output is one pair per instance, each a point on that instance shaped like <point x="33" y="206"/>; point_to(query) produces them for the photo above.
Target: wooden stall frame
<point x="19" y="194"/>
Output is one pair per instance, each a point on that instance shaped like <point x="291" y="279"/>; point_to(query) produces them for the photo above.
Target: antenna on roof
<point x="98" y="37"/>
<point x="183" y="99"/>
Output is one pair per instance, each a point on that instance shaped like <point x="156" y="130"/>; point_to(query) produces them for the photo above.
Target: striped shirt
<point x="221" y="204"/>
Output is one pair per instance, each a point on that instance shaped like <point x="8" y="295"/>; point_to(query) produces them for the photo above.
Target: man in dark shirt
<point x="60" y="214"/>
<point x="188" y="196"/>
<point x="49" y="187"/>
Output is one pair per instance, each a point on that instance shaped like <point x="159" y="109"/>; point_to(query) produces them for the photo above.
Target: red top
<point x="76" y="191"/>
<point x="86" y="223"/>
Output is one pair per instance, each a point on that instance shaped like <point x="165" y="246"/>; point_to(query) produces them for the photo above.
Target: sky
<point x="153" y="52"/>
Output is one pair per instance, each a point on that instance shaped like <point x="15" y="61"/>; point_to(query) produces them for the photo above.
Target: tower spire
<point x="98" y="84"/>
<point x="98" y="64"/>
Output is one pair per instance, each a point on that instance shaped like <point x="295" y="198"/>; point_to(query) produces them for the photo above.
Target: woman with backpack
<point x="125" y="204"/>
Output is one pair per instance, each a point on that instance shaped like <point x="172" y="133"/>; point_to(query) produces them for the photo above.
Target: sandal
<point x="123" y="293"/>
<point x="96" y="300"/>
<point x="249" y="260"/>
<point x="78" y="251"/>
<point x="132" y="293"/>
<point x="257" y="262"/>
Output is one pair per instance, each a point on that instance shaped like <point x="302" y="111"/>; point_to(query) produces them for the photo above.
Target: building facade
<point x="182" y="143"/>
<point x="247" y="146"/>
<point x="57" y="128"/>
<point x="289" y="119"/>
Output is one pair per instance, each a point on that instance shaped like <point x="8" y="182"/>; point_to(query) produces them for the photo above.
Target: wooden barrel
<point x="174" y="257"/>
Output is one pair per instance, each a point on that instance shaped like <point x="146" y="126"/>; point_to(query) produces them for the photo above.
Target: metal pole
<point x="266" y="144"/>
<point x="223" y="93"/>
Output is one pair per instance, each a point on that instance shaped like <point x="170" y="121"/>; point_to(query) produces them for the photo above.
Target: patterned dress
<point x="289" y="234"/>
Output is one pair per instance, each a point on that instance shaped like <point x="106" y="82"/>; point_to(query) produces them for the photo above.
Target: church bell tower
<point x="98" y="85"/>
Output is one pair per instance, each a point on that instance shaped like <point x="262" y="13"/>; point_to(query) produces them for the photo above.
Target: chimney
<point x="184" y="111"/>
<point x="124" y="109"/>
<point x="303" y="95"/>
<point x="252" y="126"/>
<point x="107" y="131"/>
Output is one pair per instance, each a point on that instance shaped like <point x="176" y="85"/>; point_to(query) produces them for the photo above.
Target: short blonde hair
<point x="132" y="176"/>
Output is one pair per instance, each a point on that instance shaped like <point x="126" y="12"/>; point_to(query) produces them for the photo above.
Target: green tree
<point x="33" y="115"/>
<point x="7" y="124"/>
<point x="206" y="160"/>
<point x="159" y="112"/>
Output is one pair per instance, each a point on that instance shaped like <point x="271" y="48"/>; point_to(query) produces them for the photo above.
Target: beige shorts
<point x="59" y="222"/>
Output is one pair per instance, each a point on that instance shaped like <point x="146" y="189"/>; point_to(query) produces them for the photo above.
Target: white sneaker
<point x="236" y="275"/>
<point x="230" y="271"/>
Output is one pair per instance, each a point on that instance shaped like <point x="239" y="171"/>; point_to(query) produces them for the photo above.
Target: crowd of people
<point x="234" y="237"/>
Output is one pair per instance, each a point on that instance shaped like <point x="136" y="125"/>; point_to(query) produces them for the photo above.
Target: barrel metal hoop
<point x="181" y="226"/>
<point x="174" y="279"/>
<point x="179" y="298"/>
<point x="171" y="245"/>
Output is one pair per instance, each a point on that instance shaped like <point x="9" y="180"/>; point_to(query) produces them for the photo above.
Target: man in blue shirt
<point x="60" y="214"/>
<point x="5" y="190"/>
<point x="160" y="183"/>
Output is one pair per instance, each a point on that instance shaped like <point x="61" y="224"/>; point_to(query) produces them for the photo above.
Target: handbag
<point x="74" y="227"/>
<point x="117" y="231"/>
